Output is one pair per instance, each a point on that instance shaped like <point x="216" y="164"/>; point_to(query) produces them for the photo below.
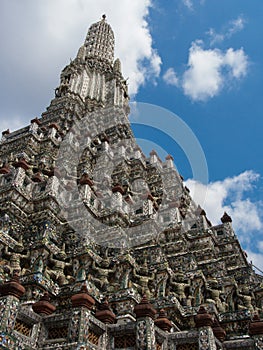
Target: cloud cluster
<point x="230" y="29"/>
<point x="170" y="77"/>
<point x="231" y="196"/>
<point x="228" y="195"/>
<point x="188" y="4"/>
<point x="256" y="259"/>
<point x="39" y="37"/>
<point x="208" y="71"/>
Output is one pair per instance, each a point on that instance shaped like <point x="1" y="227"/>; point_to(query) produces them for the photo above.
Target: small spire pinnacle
<point x="104" y="16"/>
<point x="99" y="41"/>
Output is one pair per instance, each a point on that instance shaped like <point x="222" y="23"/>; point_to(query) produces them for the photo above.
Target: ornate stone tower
<point x="93" y="75"/>
<point x="104" y="248"/>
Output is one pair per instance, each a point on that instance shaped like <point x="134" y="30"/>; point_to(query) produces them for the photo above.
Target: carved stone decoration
<point x="145" y="336"/>
<point x="74" y="326"/>
<point x="9" y="308"/>
<point x="141" y="338"/>
<point x="206" y="339"/>
<point x="259" y="343"/>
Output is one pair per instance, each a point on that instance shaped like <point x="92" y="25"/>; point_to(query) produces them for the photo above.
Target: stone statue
<point x="213" y="294"/>
<point x="15" y="260"/>
<point x="57" y="272"/>
<point x="144" y="280"/>
<point x="180" y="285"/>
<point x="122" y="275"/>
<point x="103" y="273"/>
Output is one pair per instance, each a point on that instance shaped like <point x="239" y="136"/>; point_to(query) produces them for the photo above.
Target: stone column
<point x="43" y="307"/>
<point x="105" y="315"/>
<point x="11" y="292"/>
<point x="82" y="304"/>
<point x="145" y="333"/>
<point x="256" y="331"/>
<point x="204" y="322"/>
<point x="117" y="202"/>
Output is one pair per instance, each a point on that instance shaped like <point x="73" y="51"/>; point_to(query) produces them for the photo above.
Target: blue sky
<point x="223" y="107"/>
<point x="200" y="59"/>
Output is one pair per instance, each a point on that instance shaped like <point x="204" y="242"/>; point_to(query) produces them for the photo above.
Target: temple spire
<point x="99" y="42"/>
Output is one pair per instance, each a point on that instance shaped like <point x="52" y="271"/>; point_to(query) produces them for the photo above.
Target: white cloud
<point x="237" y="61"/>
<point x="188" y="4"/>
<point x="202" y="79"/>
<point x="154" y="68"/>
<point x="170" y="77"/>
<point x="256" y="259"/>
<point x="50" y="33"/>
<point x="260" y="246"/>
<point x="236" y="25"/>
<point x="228" y="195"/>
<point x="230" y="29"/>
<point x="232" y="196"/>
<point x="215" y="37"/>
<point x="209" y="70"/>
<point x="12" y="124"/>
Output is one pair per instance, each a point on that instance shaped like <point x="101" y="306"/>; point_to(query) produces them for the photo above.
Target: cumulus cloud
<point x="38" y="38"/>
<point x="230" y="29"/>
<point x="237" y="61"/>
<point x="210" y="70"/>
<point x="170" y="77"/>
<point x="231" y="195"/>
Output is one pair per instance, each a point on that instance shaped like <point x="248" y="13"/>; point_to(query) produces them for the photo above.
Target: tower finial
<point x="99" y="42"/>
